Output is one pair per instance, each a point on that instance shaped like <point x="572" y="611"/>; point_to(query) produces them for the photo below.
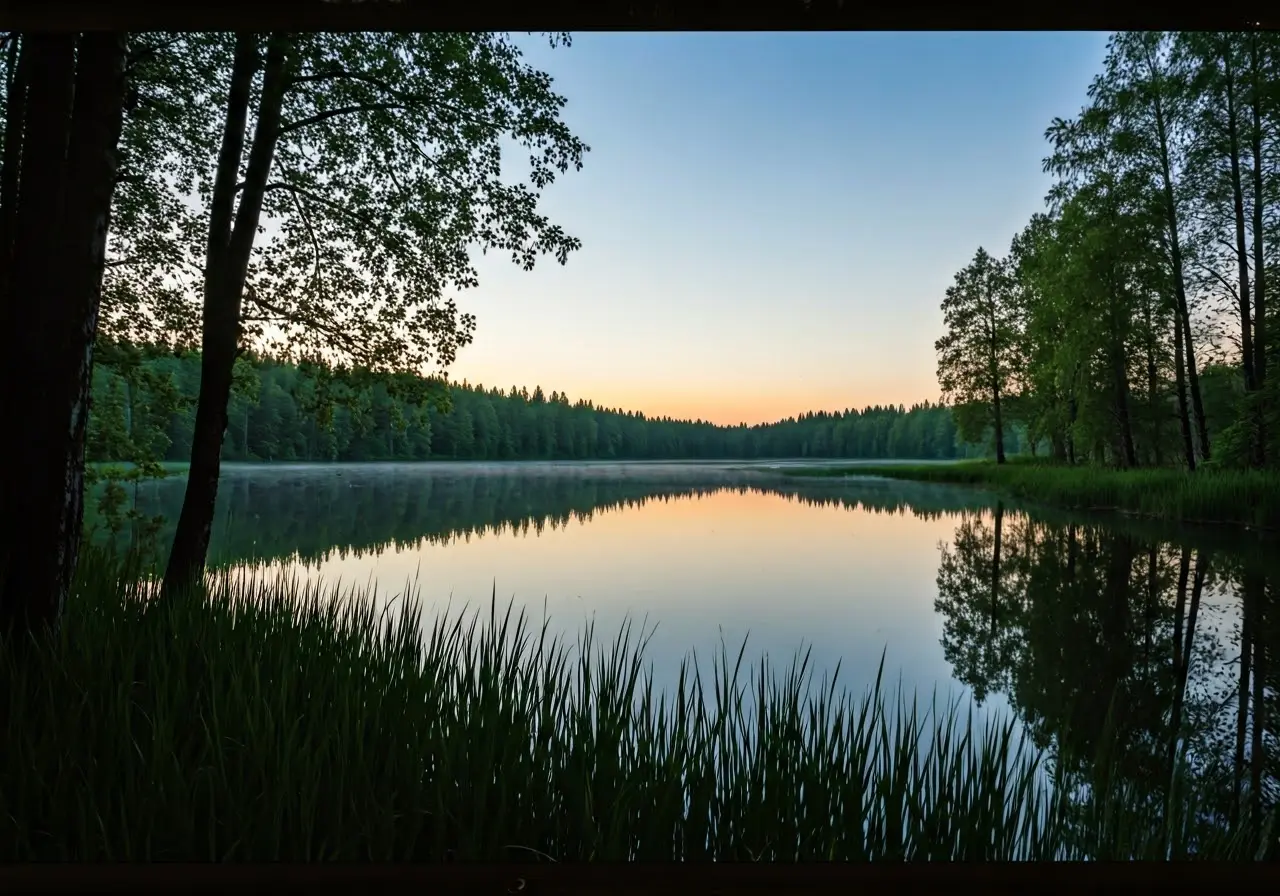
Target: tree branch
<point x="338" y="207"/>
<point x="339" y="73"/>
<point x="317" y="283"/>
<point x="150" y="50"/>
<point x="426" y="157"/>
<point x="409" y="99"/>
<point x="333" y="113"/>
<point x="1223" y="280"/>
<point x="334" y="332"/>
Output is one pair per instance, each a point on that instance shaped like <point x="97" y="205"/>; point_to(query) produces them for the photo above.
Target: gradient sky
<point x="769" y="221"/>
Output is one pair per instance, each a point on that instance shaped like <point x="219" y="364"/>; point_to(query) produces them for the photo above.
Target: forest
<point x="1129" y="323"/>
<point x="143" y="409"/>
<point x="305" y="207"/>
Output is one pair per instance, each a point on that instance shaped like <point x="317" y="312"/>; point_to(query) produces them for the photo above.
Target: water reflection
<point x="1100" y="638"/>
<point x="1116" y="642"/>
<point x="311" y="514"/>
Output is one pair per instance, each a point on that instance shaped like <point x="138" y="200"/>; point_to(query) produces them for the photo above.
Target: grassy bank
<point x="1247" y="498"/>
<point x="266" y="721"/>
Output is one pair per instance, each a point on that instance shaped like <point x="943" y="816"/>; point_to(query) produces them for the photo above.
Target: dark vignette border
<point x="709" y="879"/>
<point x="713" y="879"/>
<point x="427" y="15"/>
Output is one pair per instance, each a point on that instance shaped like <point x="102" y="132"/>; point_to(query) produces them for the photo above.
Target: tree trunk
<point x="999" y="425"/>
<point x="1180" y="383"/>
<point x="1179" y="282"/>
<point x="1242" y="251"/>
<point x="16" y="65"/>
<point x="1193" y="384"/>
<point x="1259" y="256"/>
<point x="67" y="170"/>
<point x="226" y="269"/>
<point x="1128" y="454"/>
<point x="1153" y="389"/>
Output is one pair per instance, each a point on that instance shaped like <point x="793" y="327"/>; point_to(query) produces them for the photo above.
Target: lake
<point x="1059" y="619"/>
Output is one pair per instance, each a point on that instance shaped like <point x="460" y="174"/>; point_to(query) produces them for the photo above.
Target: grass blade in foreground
<point x="268" y="720"/>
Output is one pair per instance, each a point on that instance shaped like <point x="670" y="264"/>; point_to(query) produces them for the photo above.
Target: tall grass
<point x="1242" y="497"/>
<point x="270" y="720"/>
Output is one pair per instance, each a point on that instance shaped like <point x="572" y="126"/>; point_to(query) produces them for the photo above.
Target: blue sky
<point x="770" y="220"/>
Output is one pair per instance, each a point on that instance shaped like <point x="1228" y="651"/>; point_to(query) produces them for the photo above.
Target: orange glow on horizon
<point x="758" y="409"/>
<point x="697" y="537"/>
<point x="715" y="406"/>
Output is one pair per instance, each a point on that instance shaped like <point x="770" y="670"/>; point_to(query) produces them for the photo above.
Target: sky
<point x="769" y="221"/>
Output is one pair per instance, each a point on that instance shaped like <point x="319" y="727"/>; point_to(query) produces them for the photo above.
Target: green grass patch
<point x="1238" y="497"/>
<point x="268" y="720"/>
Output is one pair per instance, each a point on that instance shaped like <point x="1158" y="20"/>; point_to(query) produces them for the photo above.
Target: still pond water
<point x="1051" y="617"/>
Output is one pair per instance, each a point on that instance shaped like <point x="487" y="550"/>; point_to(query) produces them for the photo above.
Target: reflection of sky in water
<point x="845" y="581"/>
<point x="849" y="585"/>
<point x="784" y="574"/>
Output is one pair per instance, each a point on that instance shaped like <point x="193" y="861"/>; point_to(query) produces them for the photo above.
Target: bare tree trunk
<point x="226" y="269"/>
<point x="16" y="65"/>
<point x="1179" y="283"/>
<point x="1153" y="390"/>
<point x="1193" y="383"/>
<point x="999" y="424"/>
<point x="1259" y="255"/>
<point x="1128" y="454"/>
<point x="1237" y="197"/>
<point x="1180" y="383"/>
<point x="67" y="171"/>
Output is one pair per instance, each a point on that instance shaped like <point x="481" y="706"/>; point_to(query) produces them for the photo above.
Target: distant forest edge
<point x="144" y="408"/>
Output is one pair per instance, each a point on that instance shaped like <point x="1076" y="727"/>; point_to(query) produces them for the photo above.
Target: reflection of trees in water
<point x="1118" y="650"/>
<point x="1115" y="634"/>
<point x="310" y="518"/>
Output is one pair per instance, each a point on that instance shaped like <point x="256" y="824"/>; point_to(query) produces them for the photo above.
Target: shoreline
<point x="1247" y="500"/>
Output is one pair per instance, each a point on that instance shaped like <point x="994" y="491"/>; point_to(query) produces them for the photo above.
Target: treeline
<point x="226" y="188"/>
<point x="1129" y="323"/>
<point x="279" y="411"/>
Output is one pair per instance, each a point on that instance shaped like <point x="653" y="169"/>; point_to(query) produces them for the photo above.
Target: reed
<point x="269" y="719"/>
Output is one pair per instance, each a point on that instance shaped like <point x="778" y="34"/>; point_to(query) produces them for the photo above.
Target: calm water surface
<point x="1054" y="618"/>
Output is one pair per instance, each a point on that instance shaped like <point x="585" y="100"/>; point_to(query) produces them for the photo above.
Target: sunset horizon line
<point x="686" y="417"/>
